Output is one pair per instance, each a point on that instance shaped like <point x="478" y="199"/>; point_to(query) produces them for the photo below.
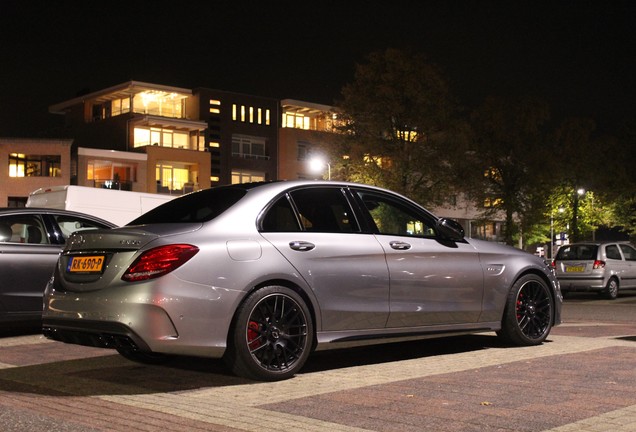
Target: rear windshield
<point x="199" y="206"/>
<point x="577" y="252"/>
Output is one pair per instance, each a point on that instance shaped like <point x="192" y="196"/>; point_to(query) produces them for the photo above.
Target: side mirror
<point x="450" y="229"/>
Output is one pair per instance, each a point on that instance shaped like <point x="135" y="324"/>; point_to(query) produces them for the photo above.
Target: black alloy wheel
<point x="529" y="312"/>
<point x="271" y="338"/>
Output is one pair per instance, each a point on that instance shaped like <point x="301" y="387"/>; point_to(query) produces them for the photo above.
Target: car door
<point x="629" y="278"/>
<point x="27" y="260"/>
<point x="315" y="229"/>
<point x="432" y="281"/>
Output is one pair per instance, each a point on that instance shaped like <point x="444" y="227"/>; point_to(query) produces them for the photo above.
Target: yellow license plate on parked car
<point x="86" y="264"/>
<point x="575" y="269"/>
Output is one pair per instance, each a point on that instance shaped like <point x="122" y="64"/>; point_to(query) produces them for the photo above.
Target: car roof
<point x="268" y="189"/>
<point x="598" y="243"/>
<point x="39" y="210"/>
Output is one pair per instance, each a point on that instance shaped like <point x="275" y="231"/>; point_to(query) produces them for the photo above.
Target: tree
<point x="396" y="117"/>
<point x="507" y="161"/>
<point x="576" y="170"/>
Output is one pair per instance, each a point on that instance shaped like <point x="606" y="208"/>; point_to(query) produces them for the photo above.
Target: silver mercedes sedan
<point x="261" y="274"/>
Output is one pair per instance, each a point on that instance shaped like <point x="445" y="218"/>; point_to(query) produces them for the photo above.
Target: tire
<point x="528" y="315"/>
<point x="271" y="336"/>
<point x="143" y="357"/>
<point x="611" y="289"/>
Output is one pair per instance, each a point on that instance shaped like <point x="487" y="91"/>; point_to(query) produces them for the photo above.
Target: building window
<point x="247" y="146"/>
<point x="111" y="175"/>
<point x="159" y="103"/>
<point x="215" y="106"/>
<point x="120" y="106"/>
<point x="247" y="176"/>
<point x="22" y="165"/>
<point x="247" y="114"/>
<point x="161" y="137"/>
<point x="304" y="150"/>
<point x="16" y="202"/>
<point x="296" y="120"/>
<point x="175" y="178"/>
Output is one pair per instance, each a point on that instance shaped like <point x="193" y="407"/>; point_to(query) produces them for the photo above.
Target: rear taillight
<point x="553" y="264"/>
<point x="159" y="261"/>
<point x="598" y="264"/>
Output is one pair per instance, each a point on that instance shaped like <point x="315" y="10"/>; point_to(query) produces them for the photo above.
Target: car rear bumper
<point x="582" y="284"/>
<point x="168" y="316"/>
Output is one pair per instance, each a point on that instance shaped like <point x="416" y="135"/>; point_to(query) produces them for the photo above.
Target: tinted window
<point x="23" y="229"/>
<point x="629" y="252"/>
<point x="611" y="252"/>
<point x="69" y="224"/>
<point x="200" y="206"/>
<point x="395" y="217"/>
<point x="577" y="252"/>
<point x="324" y="210"/>
<point x="280" y="217"/>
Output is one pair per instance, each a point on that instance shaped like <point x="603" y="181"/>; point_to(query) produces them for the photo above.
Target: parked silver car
<point x="31" y="240"/>
<point x="263" y="273"/>
<point x="596" y="266"/>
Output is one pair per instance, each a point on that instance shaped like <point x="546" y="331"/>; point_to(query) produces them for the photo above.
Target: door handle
<point x="399" y="245"/>
<point x="301" y="245"/>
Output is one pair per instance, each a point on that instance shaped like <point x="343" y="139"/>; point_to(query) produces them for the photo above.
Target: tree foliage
<point x="401" y="129"/>
<point x="396" y="116"/>
<point x="508" y="160"/>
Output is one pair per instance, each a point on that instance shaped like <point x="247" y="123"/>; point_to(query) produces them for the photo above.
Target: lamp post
<point x="318" y="165"/>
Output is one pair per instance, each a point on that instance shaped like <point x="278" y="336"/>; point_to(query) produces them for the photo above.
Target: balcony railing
<point x="125" y="185"/>
<point x="250" y="156"/>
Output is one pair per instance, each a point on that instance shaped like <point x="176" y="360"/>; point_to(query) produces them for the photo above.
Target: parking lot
<point x="583" y="379"/>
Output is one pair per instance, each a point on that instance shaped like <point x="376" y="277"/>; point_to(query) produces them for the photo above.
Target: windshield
<point x="200" y="206"/>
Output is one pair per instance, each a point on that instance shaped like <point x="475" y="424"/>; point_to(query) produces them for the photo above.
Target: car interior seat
<point x="34" y="235"/>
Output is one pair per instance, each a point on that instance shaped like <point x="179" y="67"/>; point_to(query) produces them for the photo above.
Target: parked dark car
<point x="31" y="240"/>
<point x="263" y="273"/>
<point x="604" y="267"/>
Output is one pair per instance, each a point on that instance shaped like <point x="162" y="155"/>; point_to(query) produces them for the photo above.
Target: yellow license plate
<point x="86" y="264"/>
<point x="575" y="269"/>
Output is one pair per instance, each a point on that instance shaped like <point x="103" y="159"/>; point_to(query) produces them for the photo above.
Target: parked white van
<point x="116" y="206"/>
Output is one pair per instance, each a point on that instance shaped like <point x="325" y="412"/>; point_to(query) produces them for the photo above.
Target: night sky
<point x="579" y="55"/>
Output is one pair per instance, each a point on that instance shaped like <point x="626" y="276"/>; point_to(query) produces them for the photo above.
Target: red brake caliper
<point x="519" y="304"/>
<point x="252" y="335"/>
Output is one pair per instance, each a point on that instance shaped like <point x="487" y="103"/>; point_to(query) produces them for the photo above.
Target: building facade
<point x="29" y="164"/>
<point x="158" y="146"/>
<point x="156" y="138"/>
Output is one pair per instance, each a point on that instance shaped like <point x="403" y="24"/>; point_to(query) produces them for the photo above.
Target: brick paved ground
<point x="583" y="379"/>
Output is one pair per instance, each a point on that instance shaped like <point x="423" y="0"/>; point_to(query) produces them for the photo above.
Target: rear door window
<point x="324" y="210"/>
<point x="27" y="229"/>
<point x="628" y="252"/>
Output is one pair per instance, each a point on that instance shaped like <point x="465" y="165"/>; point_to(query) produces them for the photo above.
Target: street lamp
<point x="317" y="165"/>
